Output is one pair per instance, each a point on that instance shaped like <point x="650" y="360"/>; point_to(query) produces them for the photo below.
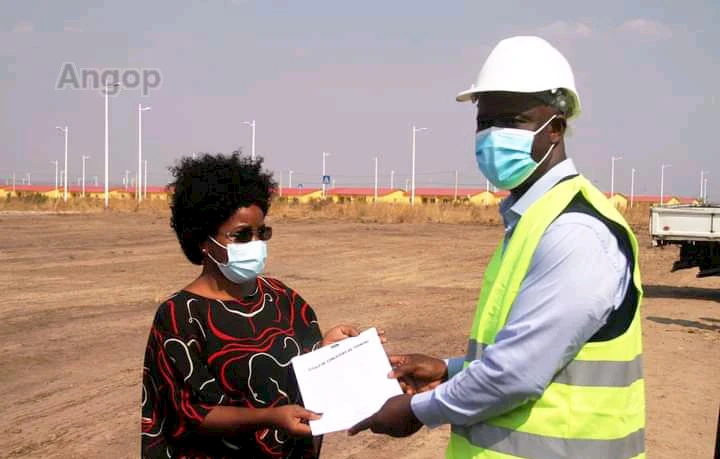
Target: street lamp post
<point x="376" y="179"/>
<point x="325" y="155"/>
<point x="662" y="183"/>
<point x="138" y="182"/>
<point x="64" y="130"/>
<point x="252" y="125"/>
<point x="703" y="173"/>
<point x="632" y="187"/>
<point x="612" y="174"/>
<point x="107" y="140"/>
<point x="84" y="158"/>
<point x="392" y="180"/>
<point x="290" y="173"/>
<point x="145" y="180"/>
<point x="415" y="130"/>
<point x="456" y="186"/>
<point x="705" y="191"/>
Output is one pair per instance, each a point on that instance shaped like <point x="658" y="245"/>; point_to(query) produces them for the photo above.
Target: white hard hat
<point x="525" y="64"/>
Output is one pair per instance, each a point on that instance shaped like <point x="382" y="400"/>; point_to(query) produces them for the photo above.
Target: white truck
<point x="696" y="229"/>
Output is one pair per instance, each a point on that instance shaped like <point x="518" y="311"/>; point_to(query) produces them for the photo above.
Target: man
<point x="553" y="367"/>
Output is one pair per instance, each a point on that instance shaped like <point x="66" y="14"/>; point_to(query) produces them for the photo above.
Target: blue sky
<point x="350" y="78"/>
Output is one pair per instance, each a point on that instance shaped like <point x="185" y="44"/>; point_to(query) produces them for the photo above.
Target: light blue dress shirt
<point x="578" y="275"/>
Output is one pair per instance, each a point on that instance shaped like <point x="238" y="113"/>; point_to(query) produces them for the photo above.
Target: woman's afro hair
<point x="208" y="189"/>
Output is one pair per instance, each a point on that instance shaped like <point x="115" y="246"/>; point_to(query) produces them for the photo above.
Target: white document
<point x="346" y="381"/>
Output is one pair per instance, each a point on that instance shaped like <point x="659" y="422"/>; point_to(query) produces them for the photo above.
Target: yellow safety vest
<point x="594" y="407"/>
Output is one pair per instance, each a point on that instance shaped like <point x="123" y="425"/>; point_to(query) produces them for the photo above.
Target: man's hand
<point x="395" y="418"/>
<point x="418" y="373"/>
<point x="292" y="419"/>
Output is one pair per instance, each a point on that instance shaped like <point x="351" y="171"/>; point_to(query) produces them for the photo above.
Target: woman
<point x="217" y="380"/>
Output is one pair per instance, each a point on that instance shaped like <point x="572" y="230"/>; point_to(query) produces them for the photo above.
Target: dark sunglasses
<point x="243" y="235"/>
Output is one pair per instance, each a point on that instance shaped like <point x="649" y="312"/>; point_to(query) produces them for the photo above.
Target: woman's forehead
<point x="251" y="215"/>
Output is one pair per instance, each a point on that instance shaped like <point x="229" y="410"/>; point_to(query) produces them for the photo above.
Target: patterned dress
<point x="203" y="352"/>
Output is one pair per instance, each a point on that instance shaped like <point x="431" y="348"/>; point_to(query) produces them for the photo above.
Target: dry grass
<point x="318" y="210"/>
<point x="40" y="203"/>
<point x="386" y="213"/>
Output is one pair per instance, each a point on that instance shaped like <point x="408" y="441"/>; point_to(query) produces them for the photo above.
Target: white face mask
<point x="245" y="261"/>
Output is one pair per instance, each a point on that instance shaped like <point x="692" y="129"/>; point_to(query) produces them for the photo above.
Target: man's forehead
<point x="506" y="102"/>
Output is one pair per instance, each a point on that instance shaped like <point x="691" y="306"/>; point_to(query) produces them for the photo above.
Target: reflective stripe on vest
<point x="522" y="444"/>
<point x="601" y="373"/>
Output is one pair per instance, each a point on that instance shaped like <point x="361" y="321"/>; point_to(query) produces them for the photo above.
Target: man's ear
<point x="558" y="126"/>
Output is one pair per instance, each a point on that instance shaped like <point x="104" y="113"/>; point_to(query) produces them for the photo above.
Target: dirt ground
<point x="81" y="291"/>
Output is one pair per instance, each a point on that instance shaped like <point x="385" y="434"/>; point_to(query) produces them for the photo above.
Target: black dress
<point x="204" y="352"/>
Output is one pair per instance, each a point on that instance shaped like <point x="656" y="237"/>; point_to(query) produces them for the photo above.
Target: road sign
<point x="326" y="180"/>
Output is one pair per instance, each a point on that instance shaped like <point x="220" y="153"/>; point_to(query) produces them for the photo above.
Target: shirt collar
<point x="512" y="209"/>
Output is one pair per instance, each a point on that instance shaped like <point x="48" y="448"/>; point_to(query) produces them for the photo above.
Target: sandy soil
<point x="81" y="291"/>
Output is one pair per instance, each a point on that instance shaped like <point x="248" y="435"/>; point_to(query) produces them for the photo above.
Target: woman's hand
<point x="292" y="419"/>
<point x="339" y="333"/>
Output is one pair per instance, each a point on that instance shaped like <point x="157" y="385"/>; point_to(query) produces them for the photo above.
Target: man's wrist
<point x="425" y="408"/>
<point x="454" y="366"/>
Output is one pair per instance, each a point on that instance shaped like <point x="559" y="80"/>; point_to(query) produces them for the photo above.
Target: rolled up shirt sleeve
<point x="577" y="276"/>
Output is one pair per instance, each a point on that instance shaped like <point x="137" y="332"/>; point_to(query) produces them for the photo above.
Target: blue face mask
<point x="504" y="155"/>
<point x="245" y="262"/>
